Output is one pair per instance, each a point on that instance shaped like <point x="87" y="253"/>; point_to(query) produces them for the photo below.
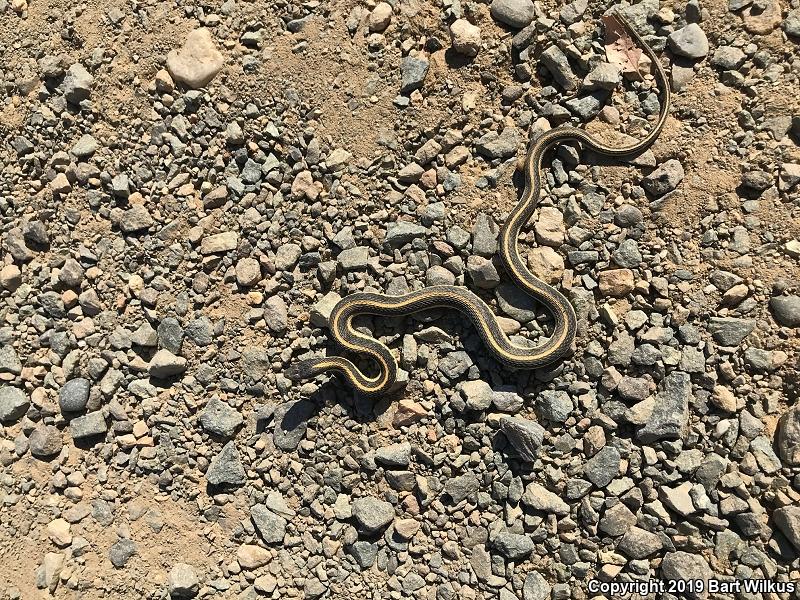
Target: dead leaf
<point x="620" y="48"/>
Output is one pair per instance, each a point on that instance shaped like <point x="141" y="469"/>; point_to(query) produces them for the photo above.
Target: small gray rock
<point x="665" y="178"/>
<point x="220" y="419"/>
<point x="271" y="527"/>
<point x="14" y="404"/>
<point x="364" y="553"/>
<point x="394" y="455"/>
<point x="683" y="566"/>
<point x="73" y="395"/>
<point x="413" y="71"/>
<point x="555" y="61"/>
<point x="540" y="498"/>
<point x="787" y="520"/>
<point x="85" y="147"/>
<point x="730" y="331"/>
<point x="689" y="41"/>
<point x="121" y="552"/>
<point x="372" y="514"/>
<point x="226" y="467"/>
<point x="554" y="405"/>
<point x="71" y="274"/>
<point x="639" y="543"/>
<point x="477" y="394"/>
<point x="45" y="441"/>
<point x="77" y="84"/>
<point x="603" y="466"/>
<point x="136" y="219"/>
<point x="276" y="314"/>
<point x="484" y="235"/>
<point x="170" y="335"/>
<point x="670" y="415"/>
<point x="9" y="361"/>
<point x="728" y="58"/>
<point x="182" y="581"/>
<point x="291" y="419"/>
<point x="788" y="436"/>
<point x="513" y="546"/>
<point x="499" y="145"/>
<point x="461" y="487"/>
<point x="535" y="587"/>
<point x="403" y="232"/>
<point x="525" y="436"/>
<point x="514" y="13"/>
<point x="791" y="24"/>
<point x="786" y="310"/>
<point x="88" y="425"/>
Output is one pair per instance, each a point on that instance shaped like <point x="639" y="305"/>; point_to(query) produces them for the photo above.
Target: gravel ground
<point x="188" y="188"/>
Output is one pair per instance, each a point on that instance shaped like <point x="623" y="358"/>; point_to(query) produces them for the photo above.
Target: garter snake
<point x="461" y="299"/>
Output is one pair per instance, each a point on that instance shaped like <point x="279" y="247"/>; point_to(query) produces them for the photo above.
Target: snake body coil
<point x="463" y="300"/>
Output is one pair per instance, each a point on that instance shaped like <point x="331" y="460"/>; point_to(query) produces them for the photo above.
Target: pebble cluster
<point x="159" y="273"/>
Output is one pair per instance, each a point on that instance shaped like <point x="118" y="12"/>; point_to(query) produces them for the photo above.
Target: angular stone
<point x="616" y="282"/>
<point x="399" y="233"/>
<point x="617" y="520"/>
<point x="394" y="455"/>
<point x="730" y="331"/>
<point x="372" y="514"/>
<point x="536" y="587"/>
<point x="121" y="552"/>
<point x="494" y="145"/>
<point x="226" y="467"/>
<point x="182" y="581"/>
<point x="555" y="61"/>
<point x="89" y="425"/>
<point x="165" y="364"/>
<point x="77" y="84"/>
<point x="220" y="419"/>
<point x="461" y="487"/>
<point x="788" y="436"/>
<point x="413" y="71"/>
<point x="513" y="546"/>
<point x="14" y="403"/>
<point x="554" y="405"/>
<point x="252" y="557"/>
<point x="84" y="147"/>
<point x="540" y="498"/>
<point x="220" y="242"/>
<point x="670" y="415"/>
<point x="197" y="62"/>
<point x="602" y="467"/>
<point x="684" y="566"/>
<point x="639" y="543"/>
<point x="136" y="219"/>
<point x="271" y="527"/>
<point x="665" y="178"/>
<point x="321" y="311"/>
<point x="678" y="498"/>
<point x="9" y="361"/>
<point x="524" y="435"/>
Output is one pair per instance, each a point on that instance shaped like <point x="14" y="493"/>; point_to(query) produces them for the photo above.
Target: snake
<point x="514" y="356"/>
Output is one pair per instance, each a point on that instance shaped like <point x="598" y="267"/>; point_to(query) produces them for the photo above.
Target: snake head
<point x="295" y="372"/>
